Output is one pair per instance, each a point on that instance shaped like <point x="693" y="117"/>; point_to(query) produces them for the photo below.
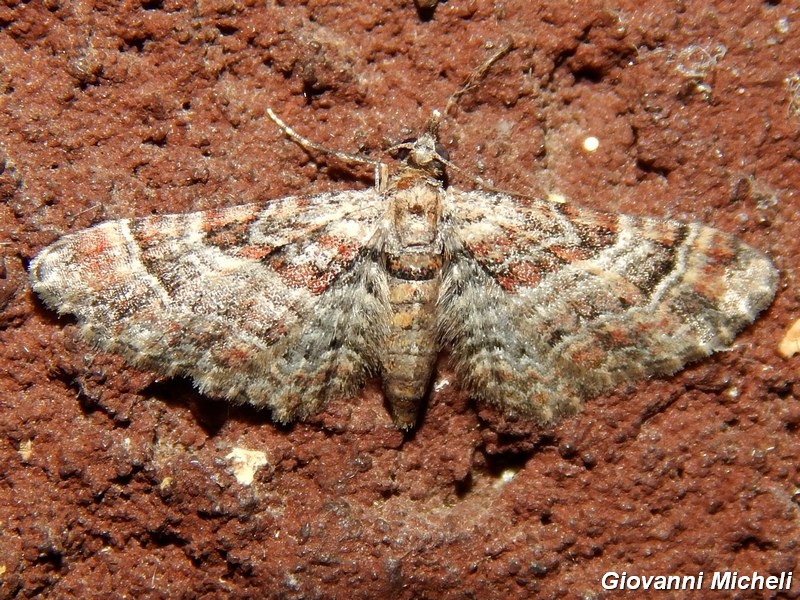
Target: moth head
<point x="425" y="153"/>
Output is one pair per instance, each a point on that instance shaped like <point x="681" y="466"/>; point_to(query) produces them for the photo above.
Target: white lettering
<point x="665" y="583"/>
<point x="692" y="582"/>
<point x="722" y="580"/>
<point x="647" y="581"/>
<point x="612" y="585"/>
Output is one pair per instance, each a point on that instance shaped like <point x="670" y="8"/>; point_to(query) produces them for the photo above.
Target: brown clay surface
<point x="117" y="485"/>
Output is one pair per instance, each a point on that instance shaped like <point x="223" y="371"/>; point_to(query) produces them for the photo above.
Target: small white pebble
<point x="505" y="477"/>
<point x="591" y="143"/>
<point x="25" y="450"/>
<point x="246" y="463"/>
<point x="441" y="384"/>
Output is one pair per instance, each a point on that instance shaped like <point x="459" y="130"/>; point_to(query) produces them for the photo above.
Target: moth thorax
<point x="416" y="213"/>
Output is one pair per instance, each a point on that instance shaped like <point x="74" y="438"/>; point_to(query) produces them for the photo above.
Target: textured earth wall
<point x="118" y="483"/>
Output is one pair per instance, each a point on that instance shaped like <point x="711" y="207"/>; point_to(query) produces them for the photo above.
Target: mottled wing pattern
<point x="234" y="298"/>
<point x="545" y="304"/>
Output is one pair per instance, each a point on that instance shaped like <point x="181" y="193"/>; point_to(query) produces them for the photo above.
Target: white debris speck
<point x="505" y="477"/>
<point x="556" y="198"/>
<point x="246" y="463"/>
<point x="441" y="384"/>
<point x="790" y="344"/>
<point x="591" y="143"/>
<point x="25" y="450"/>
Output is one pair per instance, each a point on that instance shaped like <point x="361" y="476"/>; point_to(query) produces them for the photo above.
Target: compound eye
<point x="402" y="153"/>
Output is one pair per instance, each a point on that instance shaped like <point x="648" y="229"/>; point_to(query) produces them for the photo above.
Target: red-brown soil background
<point x="116" y="484"/>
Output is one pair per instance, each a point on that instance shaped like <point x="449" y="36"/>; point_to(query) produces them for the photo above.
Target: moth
<point x="292" y="303"/>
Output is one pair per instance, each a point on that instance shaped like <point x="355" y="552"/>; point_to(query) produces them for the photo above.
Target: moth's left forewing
<point x="208" y="261"/>
<point x="256" y="303"/>
<point x="583" y="300"/>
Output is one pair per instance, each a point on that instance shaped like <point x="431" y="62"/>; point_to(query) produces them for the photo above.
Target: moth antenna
<point x="309" y="145"/>
<point x="381" y="170"/>
<point x="478" y="74"/>
<point x="472" y="81"/>
<point x="432" y="126"/>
